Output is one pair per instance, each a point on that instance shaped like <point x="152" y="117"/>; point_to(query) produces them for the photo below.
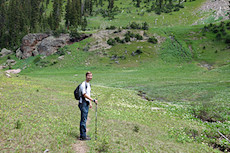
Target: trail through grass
<point x="42" y="114"/>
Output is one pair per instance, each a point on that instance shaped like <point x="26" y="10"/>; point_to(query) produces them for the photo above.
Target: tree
<point x="138" y="3"/>
<point x="56" y="14"/>
<point x="68" y="14"/>
<point x="111" y="5"/>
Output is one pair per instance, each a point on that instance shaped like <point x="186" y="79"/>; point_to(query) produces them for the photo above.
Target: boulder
<point x="41" y="44"/>
<point x="19" y="53"/>
<point x="50" y="44"/>
<point x="61" y="57"/>
<point x="15" y="71"/>
<point x="29" y="43"/>
<point x="10" y="62"/>
<point x="5" y="52"/>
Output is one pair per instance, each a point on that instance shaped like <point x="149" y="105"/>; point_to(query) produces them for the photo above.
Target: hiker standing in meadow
<point x="84" y="104"/>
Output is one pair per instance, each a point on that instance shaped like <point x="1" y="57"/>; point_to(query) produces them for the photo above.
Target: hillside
<point x="160" y="73"/>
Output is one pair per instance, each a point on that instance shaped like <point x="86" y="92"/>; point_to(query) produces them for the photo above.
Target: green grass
<point x="36" y="116"/>
<point x="41" y="113"/>
<point x="38" y="110"/>
<point x="185" y="16"/>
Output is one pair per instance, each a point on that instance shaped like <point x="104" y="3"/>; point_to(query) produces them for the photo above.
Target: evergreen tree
<point x="34" y="14"/>
<point x="111" y="4"/>
<point x="68" y="14"/>
<point x="138" y="3"/>
<point x="84" y="24"/>
<point x="56" y="14"/>
<point x="3" y="21"/>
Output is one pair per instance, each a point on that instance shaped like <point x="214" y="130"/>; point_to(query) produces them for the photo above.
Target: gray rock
<point x="61" y="57"/>
<point x="19" y="53"/>
<point x="5" y="52"/>
<point x="50" y="44"/>
<point x="35" y="52"/>
<point x="10" y="62"/>
<point x="29" y="43"/>
<point x="16" y="71"/>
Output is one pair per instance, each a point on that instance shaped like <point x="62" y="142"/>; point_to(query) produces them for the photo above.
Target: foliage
<point x="111" y="42"/>
<point x="111" y="27"/>
<point x="152" y="40"/>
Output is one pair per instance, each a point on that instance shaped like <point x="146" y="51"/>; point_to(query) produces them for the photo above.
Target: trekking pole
<point x="96" y="122"/>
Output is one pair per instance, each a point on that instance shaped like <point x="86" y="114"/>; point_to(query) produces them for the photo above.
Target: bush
<point x="61" y="51"/>
<point x="134" y="25"/>
<point x="138" y="36"/>
<point x="218" y="36"/>
<point x="111" y="42"/>
<point x="176" y="9"/>
<point x="227" y="40"/>
<point x="118" y="39"/>
<point x="37" y="59"/>
<point x="152" y="40"/>
<point x="130" y="34"/>
<point x="111" y="28"/>
<point x="145" y="26"/>
<point x="127" y="38"/>
<point x="74" y="34"/>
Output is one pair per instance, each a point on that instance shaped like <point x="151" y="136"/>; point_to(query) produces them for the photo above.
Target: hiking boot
<point x="85" y="138"/>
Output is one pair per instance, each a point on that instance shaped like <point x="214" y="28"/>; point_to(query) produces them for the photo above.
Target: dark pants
<point x="84" y="107"/>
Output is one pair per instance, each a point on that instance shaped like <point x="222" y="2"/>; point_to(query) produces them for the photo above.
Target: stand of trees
<point x="20" y="17"/>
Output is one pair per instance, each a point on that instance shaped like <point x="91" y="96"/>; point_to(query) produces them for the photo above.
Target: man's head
<point x="88" y="76"/>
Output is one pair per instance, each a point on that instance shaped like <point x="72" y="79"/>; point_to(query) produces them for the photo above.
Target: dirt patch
<point x="80" y="146"/>
<point x="218" y="7"/>
<point x="102" y="36"/>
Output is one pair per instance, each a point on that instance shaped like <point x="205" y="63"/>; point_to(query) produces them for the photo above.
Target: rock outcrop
<point x="41" y="44"/>
<point x="50" y="44"/>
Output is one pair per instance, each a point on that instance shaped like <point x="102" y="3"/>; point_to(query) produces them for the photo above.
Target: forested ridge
<point x="20" y="17"/>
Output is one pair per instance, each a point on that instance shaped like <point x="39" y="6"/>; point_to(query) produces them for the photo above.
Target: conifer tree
<point x="35" y="14"/>
<point x="3" y="21"/>
<point x="68" y="14"/>
<point x="111" y="4"/>
<point x="138" y="3"/>
<point x="56" y="14"/>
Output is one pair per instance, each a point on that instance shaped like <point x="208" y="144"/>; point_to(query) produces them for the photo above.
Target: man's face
<point x="89" y="77"/>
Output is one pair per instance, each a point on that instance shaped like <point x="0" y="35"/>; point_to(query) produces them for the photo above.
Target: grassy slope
<point x="126" y="123"/>
<point x="48" y="119"/>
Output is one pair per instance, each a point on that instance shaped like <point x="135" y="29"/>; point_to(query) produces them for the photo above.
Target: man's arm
<point x="86" y="96"/>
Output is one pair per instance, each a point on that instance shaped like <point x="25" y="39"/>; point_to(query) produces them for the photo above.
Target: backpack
<point x="77" y="92"/>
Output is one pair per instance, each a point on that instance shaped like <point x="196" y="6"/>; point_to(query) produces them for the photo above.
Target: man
<point x="84" y="104"/>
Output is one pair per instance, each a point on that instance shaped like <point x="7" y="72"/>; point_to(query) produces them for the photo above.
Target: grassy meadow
<point x="172" y="97"/>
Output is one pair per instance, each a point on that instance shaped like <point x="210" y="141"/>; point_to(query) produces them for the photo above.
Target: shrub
<point x="37" y="59"/>
<point x="152" y="40"/>
<point x="61" y="51"/>
<point x="176" y="9"/>
<point x="127" y="38"/>
<point x="227" y="40"/>
<point x="145" y="26"/>
<point x="130" y="34"/>
<point x="218" y="36"/>
<point x="137" y="52"/>
<point x="118" y="39"/>
<point x="111" y="42"/>
<point x="111" y="28"/>
<point x="136" y="128"/>
<point x="138" y="36"/>
<point x="134" y="25"/>
<point x="74" y="34"/>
